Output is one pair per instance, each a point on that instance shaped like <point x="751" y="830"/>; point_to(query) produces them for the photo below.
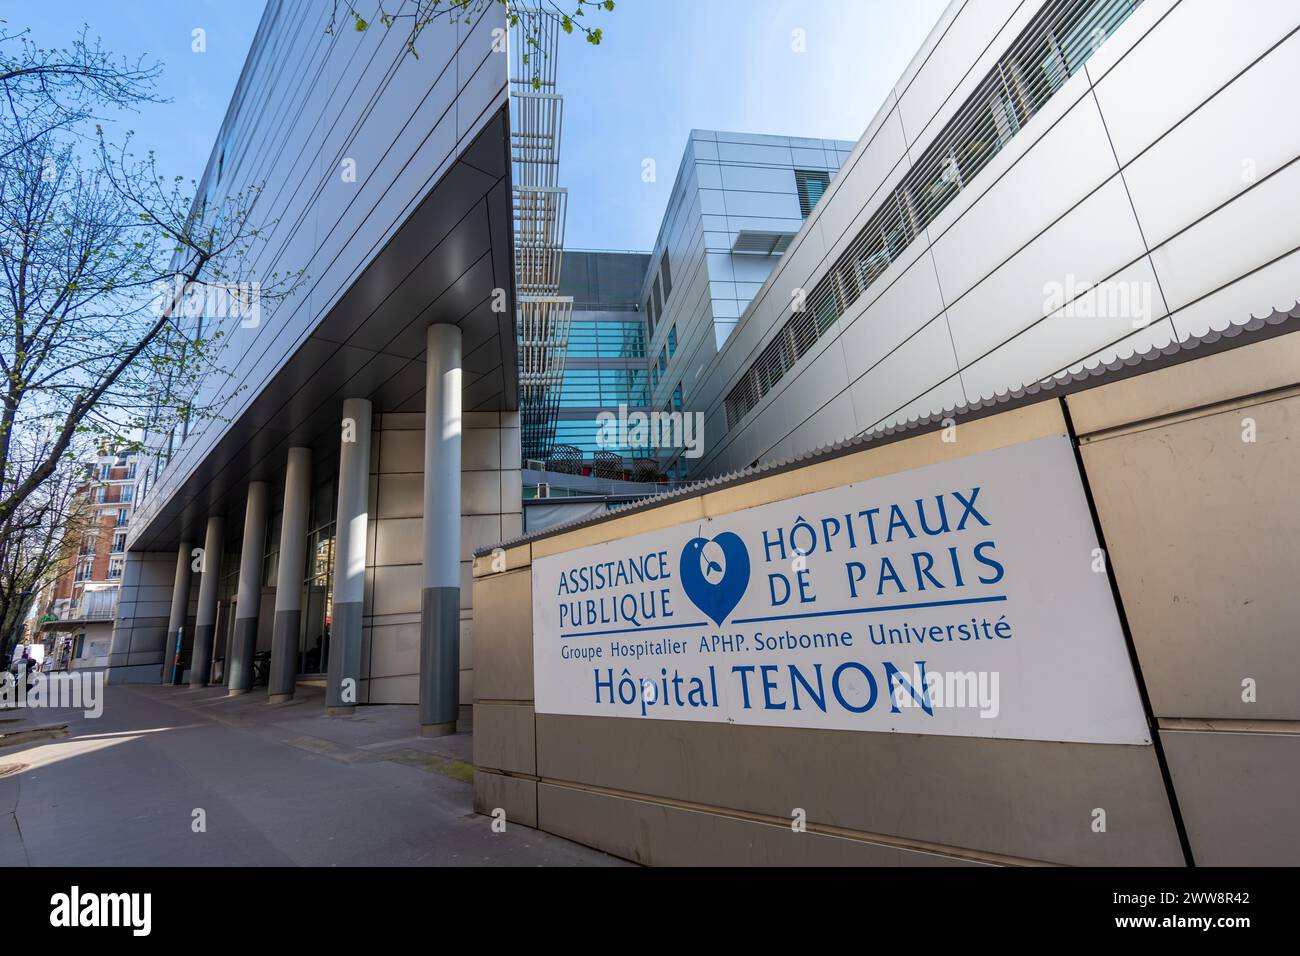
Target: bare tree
<point x="103" y="260"/>
<point x="41" y="539"/>
<point x="58" y="89"/>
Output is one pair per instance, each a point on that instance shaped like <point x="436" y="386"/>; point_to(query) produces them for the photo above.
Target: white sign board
<point x="966" y="598"/>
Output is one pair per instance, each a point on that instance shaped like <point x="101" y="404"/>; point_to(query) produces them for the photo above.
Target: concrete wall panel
<point x="660" y="834"/>
<point x="504" y="621"/>
<point x="504" y="738"/>
<point x="1028" y="799"/>
<point x="1237" y="795"/>
<point x="1204" y="537"/>
<point x="517" y="796"/>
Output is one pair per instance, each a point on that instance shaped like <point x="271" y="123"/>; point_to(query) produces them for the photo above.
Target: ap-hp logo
<point x="715" y="574"/>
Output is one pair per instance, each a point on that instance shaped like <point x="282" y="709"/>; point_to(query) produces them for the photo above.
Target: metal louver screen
<point x="1055" y="45"/>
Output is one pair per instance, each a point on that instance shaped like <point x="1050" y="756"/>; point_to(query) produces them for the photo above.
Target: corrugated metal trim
<point x="1087" y="375"/>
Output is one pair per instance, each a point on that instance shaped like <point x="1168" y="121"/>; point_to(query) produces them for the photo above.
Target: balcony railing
<point x="94" y="606"/>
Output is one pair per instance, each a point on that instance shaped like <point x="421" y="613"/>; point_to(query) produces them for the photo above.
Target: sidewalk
<point x="170" y="776"/>
<point x="379" y="732"/>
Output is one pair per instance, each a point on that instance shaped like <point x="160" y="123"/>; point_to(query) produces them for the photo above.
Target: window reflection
<point x="318" y="585"/>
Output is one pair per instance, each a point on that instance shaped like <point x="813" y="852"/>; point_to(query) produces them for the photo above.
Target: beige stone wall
<point x="491" y="508"/>
<point x="1194" y="470"/>
<point x="674" y="792"/>
<point x="1204" y="542"/>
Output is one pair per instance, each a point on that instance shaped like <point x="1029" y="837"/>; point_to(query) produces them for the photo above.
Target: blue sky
<point x="665" y="67"/>
<point x="199" y="85"/>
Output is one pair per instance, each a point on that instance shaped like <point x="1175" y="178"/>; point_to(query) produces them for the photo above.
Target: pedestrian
<point x="22" y="667"/>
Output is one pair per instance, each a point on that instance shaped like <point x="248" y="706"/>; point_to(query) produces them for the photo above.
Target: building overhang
<point x="445" y="264"/>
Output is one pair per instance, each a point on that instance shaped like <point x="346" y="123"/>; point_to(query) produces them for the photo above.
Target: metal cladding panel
<point x="1152" y="89"/>
<point x="1000" y="264"/>
<point x="1231" y="142"/>
<point x="388" y="218"/>
<point x="960" y="53"/>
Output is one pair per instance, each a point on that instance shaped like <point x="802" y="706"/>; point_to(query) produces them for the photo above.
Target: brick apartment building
<point x="78" y="607"/>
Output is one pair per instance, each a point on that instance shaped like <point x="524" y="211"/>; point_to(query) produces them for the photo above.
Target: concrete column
<point x="205" y="624"/>
<point x="440" y="607"/>
<point x="176" y="620"/>
<point x="292" y="570"/>
<point x="249" y="600"/>
<point x="343" y="684"/>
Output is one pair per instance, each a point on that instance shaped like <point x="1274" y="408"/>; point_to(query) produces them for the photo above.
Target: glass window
<point x="667" y="276"/>
<point x="606" y="339"/>
<point x="672" y="340"/>
<point x="317" y="601"/>
<point x="603" y="387"/>
<point x="811" y="184"/>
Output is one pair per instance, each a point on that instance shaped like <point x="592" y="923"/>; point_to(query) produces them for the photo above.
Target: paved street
<point x="279" y="785"/>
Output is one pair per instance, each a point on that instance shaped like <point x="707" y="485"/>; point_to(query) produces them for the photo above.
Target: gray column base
<point x="236" y="692"/>
<point x="340" y="711"/>
<point x="279" y="698"/>
<point x="201" y="656"/>
<point x="345" y="656"/>
<point x="131" y="674"/>
<point x="440" y="657"/>
<point x="242" y="646"/>
<point x="437" y="730"/>
<point x="284" y="654"/>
